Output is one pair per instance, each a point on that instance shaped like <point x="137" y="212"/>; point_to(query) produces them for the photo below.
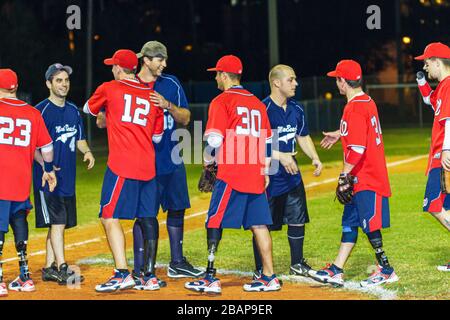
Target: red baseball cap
<point x="124" y="58"/>
<point x="347" y="69"/>
<point x="8" y="79"/>
<point x="230" y="63"/>
<point x="435" y="50"/>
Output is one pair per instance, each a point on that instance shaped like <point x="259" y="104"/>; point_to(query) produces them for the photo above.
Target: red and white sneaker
<point x="330" y="274"/>
<point x="22" y="285"/>
<point x="3" y="289"/>
<point x="445" y="267"/>
<point x="149" y="283"/>
<point x="263" y="284"/>
<point x="208" y="284"/>
<point x="382" y="275"/>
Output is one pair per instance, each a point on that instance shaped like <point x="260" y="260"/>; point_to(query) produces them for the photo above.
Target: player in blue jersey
<point x="57" y="210"/>
<point x="286" y="192"/>
<point x="173" y="194"/>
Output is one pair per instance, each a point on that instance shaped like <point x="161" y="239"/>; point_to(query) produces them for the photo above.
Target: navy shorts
<point x="55" y="210"/>
<point x="173" y="190"/>
<point x="10" y="209"/>
<point x="289" y="208"/>
<point x="434" y="200"/>
<point x="233" y="209"/>
<point x="368" y="210"/>
<point x="127" y="198"/>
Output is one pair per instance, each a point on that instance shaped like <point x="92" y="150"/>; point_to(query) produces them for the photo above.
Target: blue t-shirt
<point x="286" y="125"/>
<point x="170" y="88"/>
<point x="65" y="126"/>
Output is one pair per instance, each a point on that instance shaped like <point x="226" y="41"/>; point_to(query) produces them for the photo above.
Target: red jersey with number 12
<point x="440" y="99"/>
<point x="131" y="121"/>
<point x="241" y="120"/>
<point x="22" y="130"/>
<point x="360" y="127"/>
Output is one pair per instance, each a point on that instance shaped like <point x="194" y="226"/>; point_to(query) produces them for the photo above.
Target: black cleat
<point x="183" y="269"/>
<point x="68" y="275"/>
<point x="51" y="274"/>
<point x="302" y="269"/>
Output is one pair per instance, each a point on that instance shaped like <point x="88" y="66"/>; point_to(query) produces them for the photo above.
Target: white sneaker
<point x="445" y="267"/>
<point x="3" y="289"/>
<point x="382" y="275"/>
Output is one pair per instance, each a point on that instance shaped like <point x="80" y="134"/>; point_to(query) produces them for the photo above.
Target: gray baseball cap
<point x="56" y="67"/>
<point x="153" y="49"/>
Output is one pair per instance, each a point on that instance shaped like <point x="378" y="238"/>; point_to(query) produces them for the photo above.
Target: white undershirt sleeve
<point x="446" y="145"/>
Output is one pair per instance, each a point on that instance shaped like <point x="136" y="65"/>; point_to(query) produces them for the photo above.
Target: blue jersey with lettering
<point x="65" y="126"/>
<point x="287" y="125"/>
<point x="170" y="88"/>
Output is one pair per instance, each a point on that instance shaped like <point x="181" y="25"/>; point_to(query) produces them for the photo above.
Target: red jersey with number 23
<point x="131" y="121"/>
<point x="241" y="120"/>
<point x="440" y="100"/>
<point x="22" y="130"/>
<point x="360" y="127"/>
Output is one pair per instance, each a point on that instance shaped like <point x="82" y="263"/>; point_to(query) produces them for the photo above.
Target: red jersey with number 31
<point x="22" y="130"/>
<point x="241" y="120"/>
<point x="440" y="100"/>
<point x="360" y="127"/>
<point x="131" y="121"/>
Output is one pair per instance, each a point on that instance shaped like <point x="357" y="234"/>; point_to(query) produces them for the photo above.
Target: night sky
<point x="313" y="35"/>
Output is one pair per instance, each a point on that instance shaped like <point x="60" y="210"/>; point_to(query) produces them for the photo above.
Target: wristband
<point x="48" y="166"/>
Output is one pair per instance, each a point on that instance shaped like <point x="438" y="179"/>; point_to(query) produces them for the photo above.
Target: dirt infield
<point x="89" y="240"/>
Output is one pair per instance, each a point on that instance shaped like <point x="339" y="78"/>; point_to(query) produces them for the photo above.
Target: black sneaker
<point x="183" y="269"/>
<point x="302" y="269"/>
<point x="68" y="275"/>
<point x="51" y="273"/>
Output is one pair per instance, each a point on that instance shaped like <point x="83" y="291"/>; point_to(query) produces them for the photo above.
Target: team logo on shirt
<point x="287" y="133"/>
<point x="438" y="107"/>
<point x="344" y="128"/>
<point x="65" y="132"/>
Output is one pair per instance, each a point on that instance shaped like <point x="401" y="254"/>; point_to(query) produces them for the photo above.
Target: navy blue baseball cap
<point x="56" y="67"/>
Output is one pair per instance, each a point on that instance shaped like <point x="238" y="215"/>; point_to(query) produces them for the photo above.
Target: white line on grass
<point x="380" y="292"/>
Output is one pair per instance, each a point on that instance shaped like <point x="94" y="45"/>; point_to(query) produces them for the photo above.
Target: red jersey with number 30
<point x="241" y="120"/>
<point x="131" y="121"/>
<point x="440" y="100"/>
<point x="22" y="130"/>
<point x="360" y="127"/>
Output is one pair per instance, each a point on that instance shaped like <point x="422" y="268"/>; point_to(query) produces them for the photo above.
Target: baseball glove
<point x="445" y="181"/>
<point x="208" y="178"/>
<point x="344" y="189"/>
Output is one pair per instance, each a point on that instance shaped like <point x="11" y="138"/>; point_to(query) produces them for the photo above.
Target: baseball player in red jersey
<point x="365" y="168"/>
<point x="238" y="130"/>
<point x="437" y="64"/>
<point x="129" y="187"/>
<point x="22" y="133"/>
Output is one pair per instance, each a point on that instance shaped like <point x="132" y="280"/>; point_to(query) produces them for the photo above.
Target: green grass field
<point x="415" y="243"/>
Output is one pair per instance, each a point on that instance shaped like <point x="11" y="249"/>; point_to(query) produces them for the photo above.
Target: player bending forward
<point x="363" y="184"/>
<point x="238" y="129"/>
<point x="437" y="64"/>
<point x="22" y="131"/>
<point x="129" y="186"/>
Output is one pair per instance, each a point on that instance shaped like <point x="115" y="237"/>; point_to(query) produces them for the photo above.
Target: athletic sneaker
<point x="263" y="284"/>
<point x="445" y="267"/>
<point x="138" y="279"/>
<point x="3" y="290"/>
<point x="68" y="275"/>
<point x="208" y="284"/>
<point x="183" y="269"/>
<point x="23" y="284"/>
<point x="382" y="275"/>
<point x="118" y="281"/>
<point x="302" y="269"/>
<point x="147" y="283"/>
<point x="330" y="274"/>
<point x="51" y="273"/>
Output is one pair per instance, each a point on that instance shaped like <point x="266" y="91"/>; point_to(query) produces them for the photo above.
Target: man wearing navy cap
<point x="57" y="210"/>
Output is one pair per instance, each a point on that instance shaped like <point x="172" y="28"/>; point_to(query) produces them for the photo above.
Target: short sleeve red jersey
<point x="22" y="130"/>
<point x="440" y="99"/>
<point x="360" y="127"/>
<point x="131" y="121"/>
<point x="241" y="120"/>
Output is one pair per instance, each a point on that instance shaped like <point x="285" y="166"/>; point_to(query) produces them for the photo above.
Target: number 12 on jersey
<point x="140" y="113"/>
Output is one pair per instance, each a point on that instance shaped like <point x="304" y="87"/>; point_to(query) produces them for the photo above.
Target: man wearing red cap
<point x="238" y="130"/>
<point x="437" y="64"/>
<point x="129" y="188"/>
<point x="364" y="178"/>
<point x="22" y="132"/>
